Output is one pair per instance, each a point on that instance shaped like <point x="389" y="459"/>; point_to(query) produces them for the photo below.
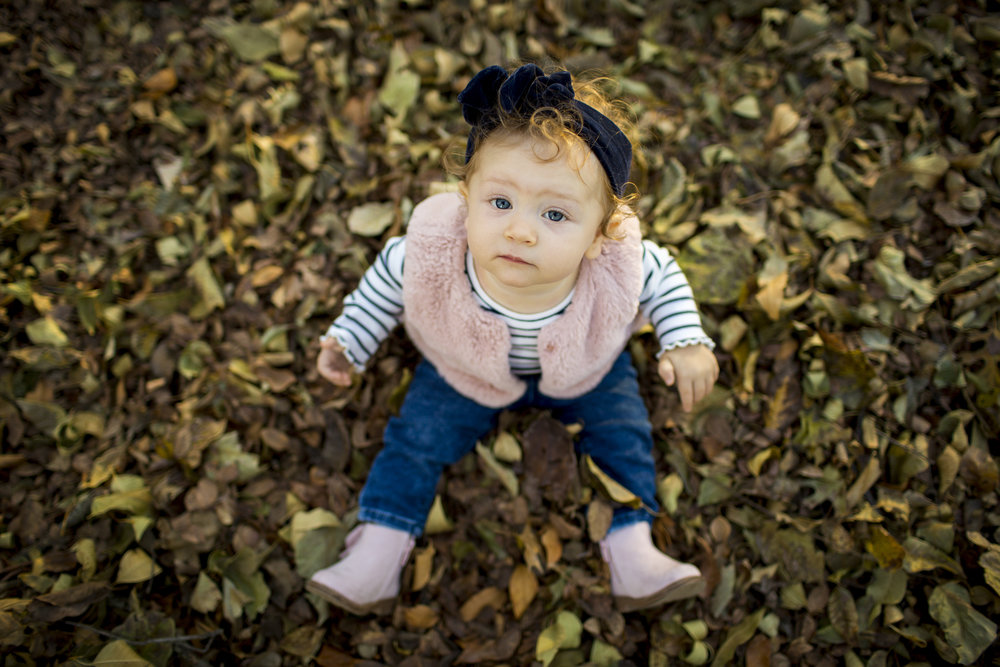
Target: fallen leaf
<point x="488" y="597"/>
<point x="522" y="588"/>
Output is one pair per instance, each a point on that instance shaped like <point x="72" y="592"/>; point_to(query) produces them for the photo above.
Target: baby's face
<point x="532" y="220"/>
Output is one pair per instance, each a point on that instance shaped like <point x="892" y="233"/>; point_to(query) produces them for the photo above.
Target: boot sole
<point x="379" y="607"/>
<point x="679" y="590"/>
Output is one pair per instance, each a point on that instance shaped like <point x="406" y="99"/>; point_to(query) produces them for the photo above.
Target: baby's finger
<point x="686" y="390"/>
<point x="666" y="368"/>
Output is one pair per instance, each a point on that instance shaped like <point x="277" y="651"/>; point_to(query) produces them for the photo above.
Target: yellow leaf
<point x="531" y="548"/>
<point x="437" y="520"/>
<point x="506" y="476"/>
<point x="771" y="282"/>
<point x="139" y="525"/>
<point x="266" y="275"/>
<point x="553" y="545"/>
<point x="506" y="447"/>
<point x="599" y="515"/>
<point x="420" y="617"/>
<point x="609" y="487"/>
<point x="522" y="588"/>
<point x="488" y="597"/>
<point x="784" y="119"/>
<point x="136" y="566"/>
<point x="46" y="331"/>
<point x="865" y="481"/>
<point x="887" y="551"/>
<point x="245" y="213"/>
<point x="948" y="462"/>
<point x="292" y="44"/>
<point x="206" y="595"/>
<point x="371" y="219"/>
<point x="132" y="499"/>
<point x="161" y="82"/>
<point x="423" y="565"/>
<point x="306" y="522"/>
<point x="668" y="490"/>
<point x="86" y="555"/>
<point x="119" y="654"/>
<point x="758" y="460"/>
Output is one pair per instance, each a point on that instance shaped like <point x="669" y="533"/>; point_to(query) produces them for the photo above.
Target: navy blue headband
<point x="529" y="89"/>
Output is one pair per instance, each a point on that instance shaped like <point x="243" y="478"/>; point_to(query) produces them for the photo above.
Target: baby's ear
<point x="463" y="190"/>
<point x="613" y="230"/>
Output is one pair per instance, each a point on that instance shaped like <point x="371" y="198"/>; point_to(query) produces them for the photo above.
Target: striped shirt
<point x="375" y="308"/>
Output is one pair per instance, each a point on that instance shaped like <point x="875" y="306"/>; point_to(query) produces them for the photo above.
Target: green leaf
<point x="564" y="633"/>
<point x="967" y="631"/>
<point x="736" y="637"/>
<point x="669" y="490"/>
<point x="715" y="489"/>
<point x="208" y="287"/>
<point x="242" y="572"/>
<point x="604" y="655"/>
<point x="227" y="450"/>
<point x="922" y="556"/>
<point x="401" y="86"/>
<point x="316" y="537"/>
<point x="46" y="331"/>
<point x="129" y="494"/>
<point x="371" y="219"/>
<point x="249" y="42"/>
<point x="843" y="613"/>
<point x="718" y="265"/>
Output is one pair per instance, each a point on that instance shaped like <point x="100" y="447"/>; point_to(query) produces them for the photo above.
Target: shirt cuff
<point x="686" y="342"/>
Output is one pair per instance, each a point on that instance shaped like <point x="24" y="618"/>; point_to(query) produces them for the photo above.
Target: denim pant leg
<point x="435" y="428"/>
<point x="617" y="434"/>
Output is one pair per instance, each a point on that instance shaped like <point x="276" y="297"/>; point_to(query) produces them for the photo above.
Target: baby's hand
<point x="333" y="364"/>
<point x="693" y="368"/>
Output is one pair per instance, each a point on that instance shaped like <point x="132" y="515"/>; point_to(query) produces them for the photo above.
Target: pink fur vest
<point x="469" y="346"/>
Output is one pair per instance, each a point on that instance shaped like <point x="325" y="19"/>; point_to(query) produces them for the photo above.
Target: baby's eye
<point x="555" y="216"/>
<point x="500" y="203"/>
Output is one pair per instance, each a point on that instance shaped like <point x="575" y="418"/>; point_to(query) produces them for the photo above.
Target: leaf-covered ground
<point x="187" y="190"/>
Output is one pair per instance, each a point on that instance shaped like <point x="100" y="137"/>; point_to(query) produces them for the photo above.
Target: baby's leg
<point x="617" y="434"/>
<point x="436" y="426"/>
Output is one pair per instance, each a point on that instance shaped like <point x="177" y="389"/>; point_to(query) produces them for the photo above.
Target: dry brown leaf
<point x="488" y="597"/>
<point x="161" y="82"/>
<point x="420" y="617"/>
<point x="522" y="588"/>
<point x="423" y="565"/>
<point x="553" y="545"/>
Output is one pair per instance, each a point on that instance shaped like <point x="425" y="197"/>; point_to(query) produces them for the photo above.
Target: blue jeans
<point x="437" y="426"/>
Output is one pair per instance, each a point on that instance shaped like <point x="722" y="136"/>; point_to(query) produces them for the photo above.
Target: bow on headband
<point x="527" y="90"/>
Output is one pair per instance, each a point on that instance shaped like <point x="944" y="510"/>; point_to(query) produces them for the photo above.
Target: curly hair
<point x="555" y="126"/>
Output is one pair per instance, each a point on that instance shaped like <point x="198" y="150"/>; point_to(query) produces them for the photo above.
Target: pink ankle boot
<point x="642" y="576"/>
<point x="366" y="578"/>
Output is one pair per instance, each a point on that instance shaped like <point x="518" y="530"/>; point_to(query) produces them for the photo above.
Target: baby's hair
<point x="555" y="126"/>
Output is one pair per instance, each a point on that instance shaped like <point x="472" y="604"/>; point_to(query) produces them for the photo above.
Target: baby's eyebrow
<point x="551" y="193"/>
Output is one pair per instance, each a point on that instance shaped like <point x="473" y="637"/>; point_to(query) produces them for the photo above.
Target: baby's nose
<point x="520" y="230"/>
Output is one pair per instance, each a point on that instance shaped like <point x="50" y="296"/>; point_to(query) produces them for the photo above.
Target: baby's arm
<point x="370" y="314"/>
<point x="687" y="360"/>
